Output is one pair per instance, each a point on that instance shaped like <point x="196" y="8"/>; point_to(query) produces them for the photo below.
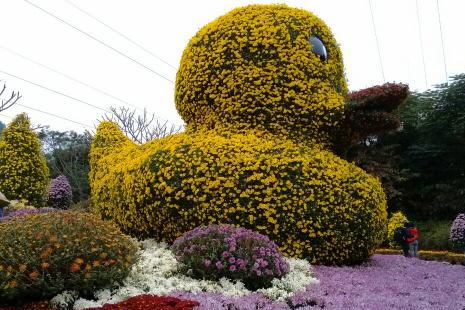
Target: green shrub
<point x="45" y="254"/>
<point x="82" y="205"/>
<point x="435" y="235"/>
<point x="23" y="170"/>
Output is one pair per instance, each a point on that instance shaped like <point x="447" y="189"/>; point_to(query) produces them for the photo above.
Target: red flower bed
<point x="150" y="302"/>
<point x="37" y="305"/>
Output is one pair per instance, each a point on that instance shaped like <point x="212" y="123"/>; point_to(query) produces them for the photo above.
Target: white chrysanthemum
<point x="157" y="272"/>
<point x="64" y="300"/>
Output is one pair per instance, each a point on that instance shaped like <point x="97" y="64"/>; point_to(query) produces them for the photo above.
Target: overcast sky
<point x="165" y="27"/>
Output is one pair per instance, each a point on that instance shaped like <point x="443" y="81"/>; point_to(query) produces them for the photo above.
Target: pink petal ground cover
<point x="392" y="282"/>
<point x="387" y="282"/>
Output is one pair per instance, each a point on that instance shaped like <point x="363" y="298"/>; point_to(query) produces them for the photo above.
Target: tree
<point x="140" y="128"/>
<point x="383" y="160"/>
<point x="2" y="125"/>
<point x="23" y="170"/>
<point x="7" y="103"/>
<point x="422" y="165"/>
<point x="435" y="151"/>
<point x="67" y="153"/>
<point x="369" y="112"/>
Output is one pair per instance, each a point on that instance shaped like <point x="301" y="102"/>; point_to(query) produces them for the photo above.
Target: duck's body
<point x="308" y="200"/>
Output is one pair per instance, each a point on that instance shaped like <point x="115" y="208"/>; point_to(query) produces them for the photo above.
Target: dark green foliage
<point x="2" y="125"/>
<point x="434" y="151"/>
<point x="422" y="165"/>
<point x="67" y="153"/>
<point x="434" y="235"/>
<point x="383" y="160"/>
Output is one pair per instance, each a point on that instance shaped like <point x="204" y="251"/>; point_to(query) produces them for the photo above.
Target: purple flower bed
<point x="217" y="301"/>
<point x="388" y="282"/>
<point x="391" y="282"/>
<point x="24" y="212"/>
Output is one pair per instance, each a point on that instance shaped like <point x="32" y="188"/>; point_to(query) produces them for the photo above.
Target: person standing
<point x="400" y="236"/>
<point x="412" y="239"/>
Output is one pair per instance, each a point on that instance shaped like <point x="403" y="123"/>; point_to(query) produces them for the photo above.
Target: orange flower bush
<point x="45" y="254"/>
<point x="261" y="90"/>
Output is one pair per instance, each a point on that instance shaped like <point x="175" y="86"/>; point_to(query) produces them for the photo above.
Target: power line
<point x="377" y="42"/>
<point x="421" y="43"/>
<point x="442" y="42"/>
<point x="119" y="33"/>
<point x="56" y="92"/>
<point x="68" y="77"/>
<point x="4" y="115"/>
<point x="54" y="115"/>
<point x="98" y="40"/>
<point x="77" y="81"/>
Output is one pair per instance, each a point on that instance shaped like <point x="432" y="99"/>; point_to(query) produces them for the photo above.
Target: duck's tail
<point x="108" y="139"/>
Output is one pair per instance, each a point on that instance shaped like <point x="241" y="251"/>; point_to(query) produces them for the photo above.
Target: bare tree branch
<point x="140" y="127"/>
<point x="5" y="104"/>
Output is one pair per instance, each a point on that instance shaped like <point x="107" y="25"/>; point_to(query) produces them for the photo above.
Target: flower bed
<point x="443" y="256"/>
<point x="38" y="305"/>
<point x="157" y="272"/>
<point x="24" y="212"/>
<point x="387" y="282"/>
<point x="150" y="302"/>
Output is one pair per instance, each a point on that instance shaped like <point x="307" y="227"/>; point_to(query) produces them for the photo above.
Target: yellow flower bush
<point x="23" y="169"/>
<point x="261" y="109"/>
<point x="396" y="220"/>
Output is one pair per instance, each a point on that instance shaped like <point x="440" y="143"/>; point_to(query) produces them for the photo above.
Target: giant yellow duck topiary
<point x="262" y="92"/>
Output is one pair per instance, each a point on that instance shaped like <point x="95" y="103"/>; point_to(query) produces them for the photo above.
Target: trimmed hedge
<point x="442" y="256"/>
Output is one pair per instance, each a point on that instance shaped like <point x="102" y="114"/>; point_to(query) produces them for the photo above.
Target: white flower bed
<point x="156" y="272"/>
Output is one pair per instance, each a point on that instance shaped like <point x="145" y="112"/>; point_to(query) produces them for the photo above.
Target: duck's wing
<point x="370" y="111"/>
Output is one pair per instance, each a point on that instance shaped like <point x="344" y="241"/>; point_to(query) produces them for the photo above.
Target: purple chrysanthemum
<point x="60" y="194"/>
<point x="457" y="230"/>
<point x="237" y="253"/>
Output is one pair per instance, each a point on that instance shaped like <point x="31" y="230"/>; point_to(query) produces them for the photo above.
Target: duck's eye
<point x="318" y="48"/>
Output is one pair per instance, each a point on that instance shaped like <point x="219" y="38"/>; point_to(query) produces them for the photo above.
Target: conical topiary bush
<point x="23" y="169"/>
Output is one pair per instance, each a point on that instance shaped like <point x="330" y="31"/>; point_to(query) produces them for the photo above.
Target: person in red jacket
<point x="412" y="239"/>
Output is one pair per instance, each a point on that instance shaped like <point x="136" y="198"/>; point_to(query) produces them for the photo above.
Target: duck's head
<point x="265" y="67"/>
